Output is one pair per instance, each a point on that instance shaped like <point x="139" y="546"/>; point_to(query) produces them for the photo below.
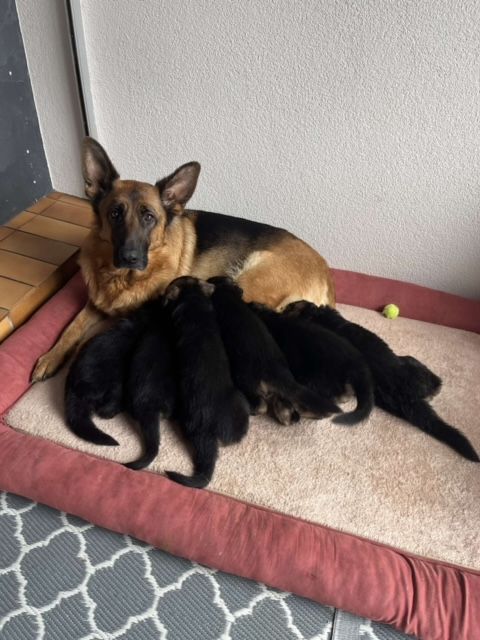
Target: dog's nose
<point x="130" y="256"/>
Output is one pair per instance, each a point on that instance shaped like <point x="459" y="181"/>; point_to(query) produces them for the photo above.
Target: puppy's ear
<point x="177" y="188"/>
<point x="172" y="292"/>
<point x="98" y="170"/>
<point x="207" y="288"/>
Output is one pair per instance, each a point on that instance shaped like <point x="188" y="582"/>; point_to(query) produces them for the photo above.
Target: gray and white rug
<point x="62" y="578"/>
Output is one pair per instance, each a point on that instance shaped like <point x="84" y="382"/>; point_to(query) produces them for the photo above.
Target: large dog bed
<point x="378" y="519"/>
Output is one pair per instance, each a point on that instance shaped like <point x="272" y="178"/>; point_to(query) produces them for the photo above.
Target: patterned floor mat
<point x="62" y="578"/>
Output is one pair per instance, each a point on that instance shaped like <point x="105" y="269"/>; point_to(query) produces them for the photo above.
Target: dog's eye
<point x="116" y="212"/>
<point x="148" y="218"/>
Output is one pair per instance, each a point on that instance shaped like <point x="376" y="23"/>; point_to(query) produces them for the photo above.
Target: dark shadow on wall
<point x="24" y="174"/>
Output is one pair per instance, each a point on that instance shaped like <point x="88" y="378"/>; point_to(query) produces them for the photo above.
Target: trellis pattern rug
<point x="63" y="578"/>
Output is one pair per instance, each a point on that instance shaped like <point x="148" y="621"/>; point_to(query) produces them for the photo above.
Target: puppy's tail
<point x="305" y="402"/>
<point x="150" y="428"/>
<point x="205" y="450"/>
<point x="420" y="414"/>
<point x="361" y="381"/>
<point x="78" y="418"/>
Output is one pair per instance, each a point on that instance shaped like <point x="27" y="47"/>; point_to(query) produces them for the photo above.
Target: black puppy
<point x="151" y="386"/>
<point x="96" y="379"/>
<point x="209" y="408"/>
<point x="322" y="361"/>
<point x="258" y="367"/>
<point x="401" y="383"/>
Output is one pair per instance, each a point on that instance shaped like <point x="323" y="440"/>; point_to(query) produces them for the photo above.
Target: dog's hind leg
<point x="205" y="452"/>
<point x="268" y="277"/>
<point x="150" y="428"/>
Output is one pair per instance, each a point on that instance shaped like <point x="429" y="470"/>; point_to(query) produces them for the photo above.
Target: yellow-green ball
<point x="391" y="311"/>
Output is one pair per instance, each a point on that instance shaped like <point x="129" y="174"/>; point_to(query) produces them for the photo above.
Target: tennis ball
<point x="391" y="311"/>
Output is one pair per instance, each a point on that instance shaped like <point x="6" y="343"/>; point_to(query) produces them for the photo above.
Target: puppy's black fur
<point x="258" y="367"/>
<point x="96" y="379"/>
<point x="424" y="382"/>
<point x="401" y="383"/>
<point x="209" y="407"/>
<point x="151" y="387"/>
<point x="321" y="360"/>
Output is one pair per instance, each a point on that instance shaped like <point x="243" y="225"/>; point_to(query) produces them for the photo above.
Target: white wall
<point x="354" y="124"/>
<point x="49" y="57"/>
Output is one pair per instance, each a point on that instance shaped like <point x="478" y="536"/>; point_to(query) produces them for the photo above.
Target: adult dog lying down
<point x="143" y="238"/>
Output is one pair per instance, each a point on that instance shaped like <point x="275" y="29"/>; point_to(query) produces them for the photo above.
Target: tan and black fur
<point x="143" y="238"/>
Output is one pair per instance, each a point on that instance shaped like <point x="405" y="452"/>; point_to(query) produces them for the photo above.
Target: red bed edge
<point x="429" y="599"/>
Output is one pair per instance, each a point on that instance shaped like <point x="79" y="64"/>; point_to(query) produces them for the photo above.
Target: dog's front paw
<point x="46" y="366"/>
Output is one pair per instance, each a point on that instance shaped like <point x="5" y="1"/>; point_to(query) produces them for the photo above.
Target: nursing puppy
<point x="151" y="385"/>
<point x="96" y="379"/>
<point x="209" y="408"/>
<point x="401" y="383"/>
<point x="258" y="367"/>
<point x="322" y="361"/>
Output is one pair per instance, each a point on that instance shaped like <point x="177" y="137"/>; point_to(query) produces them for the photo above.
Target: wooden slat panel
<point x="32" y="246"/>
<point x="4" y="232"/>
<point x="20" y="220"/>
<point x="56" y="230"/>
<point x="6" y="327"/>
<point x="11" y="291"/>
<point x="82" y="202"/>
<point x="73" y="213"/>
<point x="24" y="269"/>
<point x="41" y="205"/>
<point x="34" y="298"/>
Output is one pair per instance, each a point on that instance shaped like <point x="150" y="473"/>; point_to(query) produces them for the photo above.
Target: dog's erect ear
<point x="207" y="288"/>
<point x="98" y="170"/>
<point x="177" y="188"/>
<point x="172" y="292"/>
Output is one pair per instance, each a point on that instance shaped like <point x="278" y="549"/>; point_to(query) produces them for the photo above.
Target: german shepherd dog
<point x="322" y="361"/>
<point x="401" y="382"/>
<point x="210" y="408"/>
<point x="258" y="367"/>
<point x="143" y="238"/>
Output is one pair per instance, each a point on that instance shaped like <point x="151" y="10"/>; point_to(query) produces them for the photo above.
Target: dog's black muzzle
<point x="131" y="258"/>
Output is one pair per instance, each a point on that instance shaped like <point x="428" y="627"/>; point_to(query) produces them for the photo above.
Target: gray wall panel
<point x="24" y="174"/>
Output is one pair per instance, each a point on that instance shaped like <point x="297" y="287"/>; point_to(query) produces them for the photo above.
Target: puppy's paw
<point x="283" y="411"/>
